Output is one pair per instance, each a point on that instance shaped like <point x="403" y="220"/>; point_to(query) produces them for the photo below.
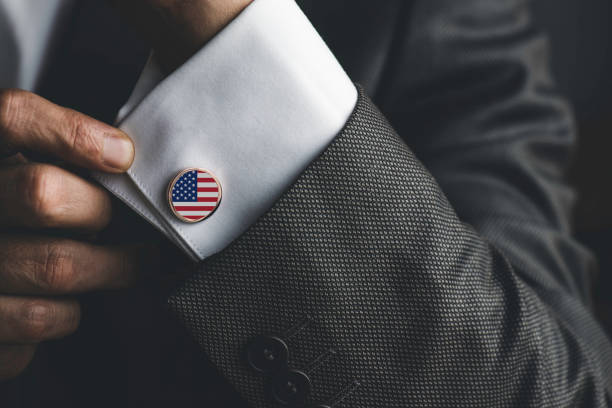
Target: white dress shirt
<point x="255" y="106"/>
<point x="26" y="28"/>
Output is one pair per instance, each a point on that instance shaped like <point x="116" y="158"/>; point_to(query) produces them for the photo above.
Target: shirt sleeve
<point x="255" y="107"/>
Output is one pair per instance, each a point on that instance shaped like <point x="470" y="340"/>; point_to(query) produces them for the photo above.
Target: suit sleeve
<point x="435" y="268"/>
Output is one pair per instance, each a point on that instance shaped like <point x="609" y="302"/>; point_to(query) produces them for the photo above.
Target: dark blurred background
<point x="581" y="39"/>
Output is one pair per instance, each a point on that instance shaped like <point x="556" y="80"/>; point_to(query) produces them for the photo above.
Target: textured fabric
<point x="418" y="308"/>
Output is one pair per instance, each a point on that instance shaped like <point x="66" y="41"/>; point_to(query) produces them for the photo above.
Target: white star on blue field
<point x="186" y="188"/>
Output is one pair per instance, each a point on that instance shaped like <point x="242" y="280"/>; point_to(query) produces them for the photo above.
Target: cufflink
<point x="194" y="194"/>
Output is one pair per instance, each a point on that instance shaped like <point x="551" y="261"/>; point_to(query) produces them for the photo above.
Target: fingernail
<point x="118" y="152"/>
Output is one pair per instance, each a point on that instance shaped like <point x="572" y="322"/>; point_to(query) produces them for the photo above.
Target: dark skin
<point x="39" y="273"/>
<point x="179" y="28"/>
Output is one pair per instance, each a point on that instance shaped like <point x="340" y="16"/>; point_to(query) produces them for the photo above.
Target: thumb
<point x="31" y="123"/>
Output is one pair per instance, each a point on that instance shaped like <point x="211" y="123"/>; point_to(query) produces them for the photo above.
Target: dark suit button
<point x="290" y="387"/>
<point x="267" y="354"/>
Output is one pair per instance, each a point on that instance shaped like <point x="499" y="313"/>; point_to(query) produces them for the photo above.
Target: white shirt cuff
<point x="255" y="106"/>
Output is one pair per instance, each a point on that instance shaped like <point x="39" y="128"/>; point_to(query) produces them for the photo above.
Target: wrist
<point x="177" y="29"/>
<point x="192" y="26"/>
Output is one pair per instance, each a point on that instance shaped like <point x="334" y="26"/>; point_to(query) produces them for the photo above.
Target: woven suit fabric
<point x="416" y="308"/>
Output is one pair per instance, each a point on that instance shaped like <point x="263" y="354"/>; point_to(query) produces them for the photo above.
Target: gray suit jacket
<point x="426" y="257"/>
<point x="430" y="265"/>
<point x="365" y="280"/>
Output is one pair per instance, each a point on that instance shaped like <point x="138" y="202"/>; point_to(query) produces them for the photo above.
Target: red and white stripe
<point x="208" y="199"/>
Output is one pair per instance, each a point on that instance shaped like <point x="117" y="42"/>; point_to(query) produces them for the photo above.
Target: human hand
<point x="179" y="28"/>
<point x="39" y="273"/>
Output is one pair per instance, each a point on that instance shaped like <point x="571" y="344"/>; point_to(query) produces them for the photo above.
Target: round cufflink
<point x="194" y="194"/>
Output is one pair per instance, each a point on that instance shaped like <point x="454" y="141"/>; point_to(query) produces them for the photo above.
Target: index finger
<point x="29" y="122"/>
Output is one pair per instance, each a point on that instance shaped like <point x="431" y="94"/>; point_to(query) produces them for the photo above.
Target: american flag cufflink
<point x="194" y="194"/>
